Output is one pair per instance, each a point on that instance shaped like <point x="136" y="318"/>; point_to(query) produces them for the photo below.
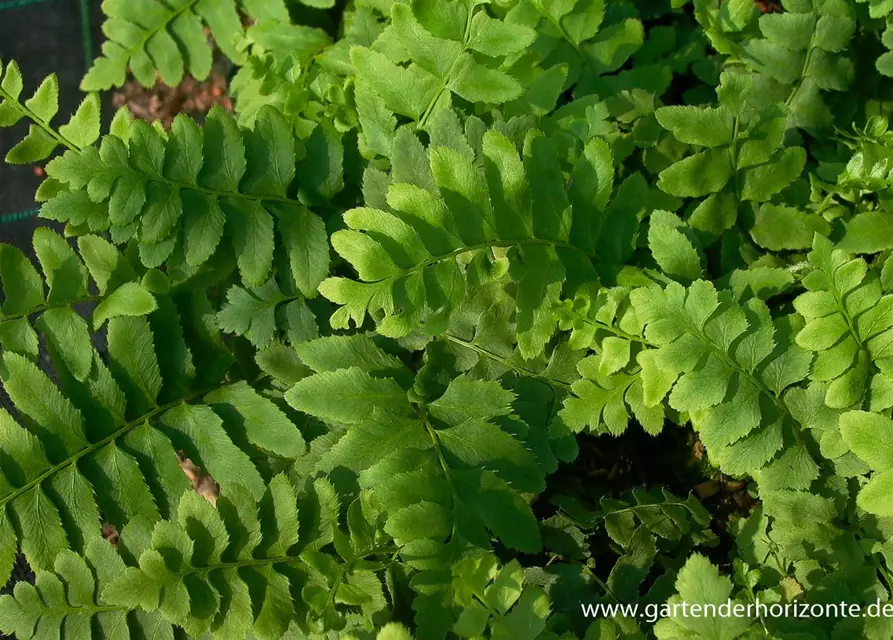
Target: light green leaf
<point x="704" y="126"/>
<point x="130" y="299"/>
<point x="698" y="175"/>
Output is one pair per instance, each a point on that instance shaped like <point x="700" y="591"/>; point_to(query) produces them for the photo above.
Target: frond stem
<point x="809" y="49"/>
<point x="493" y="244"/>
<point x="40" y="122"/>
<point x="259" y="562"/>
<point x="46" y="307"/>
<point x="505" y="361"/>
<point x="105" y="441"/>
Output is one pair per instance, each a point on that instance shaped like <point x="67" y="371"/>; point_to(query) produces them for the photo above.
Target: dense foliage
<point x="333" y="365"/>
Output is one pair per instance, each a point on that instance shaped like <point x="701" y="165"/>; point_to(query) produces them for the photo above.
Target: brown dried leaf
<point x="203" y="483"/>
<point x="110" y="533"/>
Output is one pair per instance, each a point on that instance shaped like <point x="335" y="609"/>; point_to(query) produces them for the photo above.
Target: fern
<point x="575" y="33"/>
<point x="741" y="161"/>
<point x="452" y="48"/>
<point x="865" y="435"/>
<point x="848" y="323"/>
<point x="799" y="55"/>
<point x="554" y="222"/>
<point x="104" y="440"/>
<point x="728" y="367"/>
<point x="456" y="225"/>
<point x="194" y="571"/>
<point x="190" y="190"/>
<point x="612" y="388"/>
<point x="67" y="600"/>
<point x="464" y="454"/>
<point x="81" y="130"/>
<point x="265" y="315"/>
<point x="168" y="39"/>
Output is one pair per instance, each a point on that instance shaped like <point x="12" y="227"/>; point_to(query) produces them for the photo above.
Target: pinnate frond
<point x="446" y="474"/>
<point x="451" y="47"/>
<point x="153" y="38"/>
<point x="100" y="445"/>
<point x="849" y="326"/>
<point x="81" y="130"/>
<point x="459" y="225"/>
<point x="616" y="377"/>
<point x="729" y="367"/>
<point x="180" y="195"/>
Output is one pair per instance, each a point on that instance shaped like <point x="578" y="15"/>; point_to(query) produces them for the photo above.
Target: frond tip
<point x="81" y="130"/>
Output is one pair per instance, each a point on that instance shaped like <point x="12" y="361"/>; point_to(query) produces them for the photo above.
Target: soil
<point x="191" y="97"/>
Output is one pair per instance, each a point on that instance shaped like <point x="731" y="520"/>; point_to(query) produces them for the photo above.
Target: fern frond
<point x="575" y="33"/>
<point x="81" y="130"/>
<point x="229" y="572"/>
<point x="849" y="324"/>
<point x="265" y="314"/>
<point x="729" y="367"/>
<point x="233" y="571"/>
<point x="120" y="291"/>
<point x="702" y="582"/>
<point x="187" y="192"/>
<point x="802" y="51"/>
<point x="308" y="85"/>
<point x="739" y="154"/>
<point x="305" y="92"/>
<point x="104" y="440"/>
<point x="866" y="435"/>
<point x="484" y="595"/>
<point x="457" y="225"/>
<point x="444" y="473"/>
<point x="660" y="512"/>
<point x="66" y="601"/>
<point x="801" y="55"/>
<point x="479" y="341"/>
<point x="452" y="48"/>
<point x="479" y="344"/>
<point x="153" y="38"/>
<point x="617" y="379"/>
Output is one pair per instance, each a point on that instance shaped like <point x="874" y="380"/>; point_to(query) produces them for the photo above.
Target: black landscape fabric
<point x="43" y="37"/>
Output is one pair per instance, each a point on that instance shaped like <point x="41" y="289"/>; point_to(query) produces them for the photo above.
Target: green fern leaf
<point x="442" y="44"/>
<point x="742" y="161"/>
<point x="417" y="261"/>
<point x="848" y="324"/>
<point x="191" y="190"/>
<point x="619" y="381"/>
<point x="67" y="601"/>
<point x="153" y="37"/>
<point x="454" y="445"/>
<point x="732" y="366"/>
<point x="42" y="140"/>
<point x="219" y="554"/>
<point x="103" y="440"/>
<point x="577" y="32"/>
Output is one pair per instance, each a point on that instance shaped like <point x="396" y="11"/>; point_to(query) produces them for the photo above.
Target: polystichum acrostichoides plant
<point x="342" y="363"/>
